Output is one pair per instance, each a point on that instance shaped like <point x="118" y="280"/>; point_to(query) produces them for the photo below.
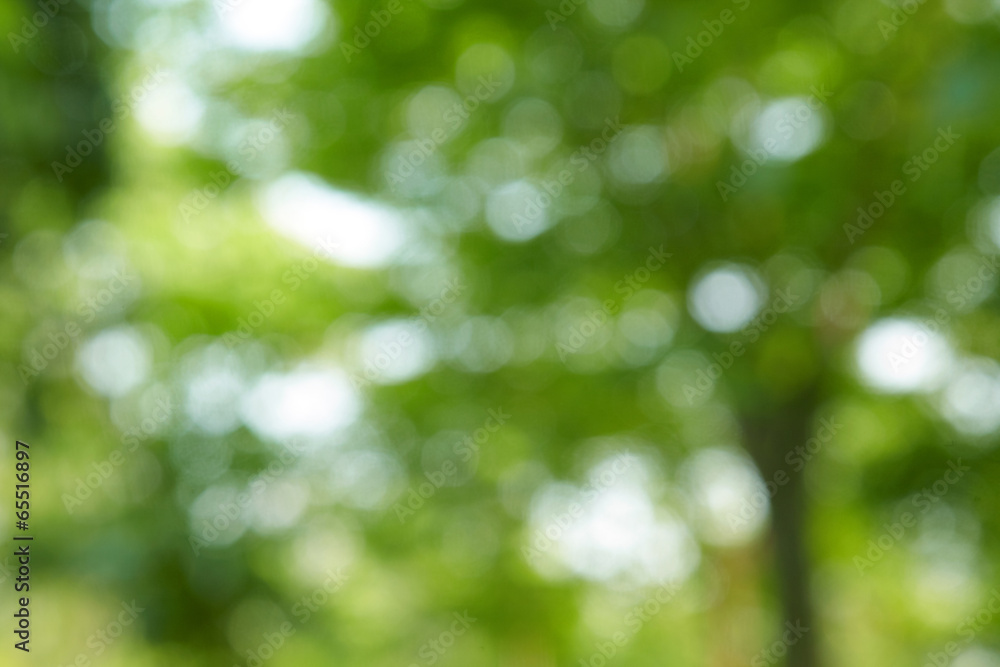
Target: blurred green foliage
<point x="431" y="143"/>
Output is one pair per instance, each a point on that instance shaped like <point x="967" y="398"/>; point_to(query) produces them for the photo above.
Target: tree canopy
<point x="430" y="332"/>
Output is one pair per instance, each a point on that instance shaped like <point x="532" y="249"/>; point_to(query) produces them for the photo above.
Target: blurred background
<point x="444" y="332"/>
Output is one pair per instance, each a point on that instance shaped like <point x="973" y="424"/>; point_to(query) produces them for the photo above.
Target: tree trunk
<point x="769" y="438"/>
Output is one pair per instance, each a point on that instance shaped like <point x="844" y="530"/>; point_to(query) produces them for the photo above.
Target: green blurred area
<point x="440" y="332"/>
